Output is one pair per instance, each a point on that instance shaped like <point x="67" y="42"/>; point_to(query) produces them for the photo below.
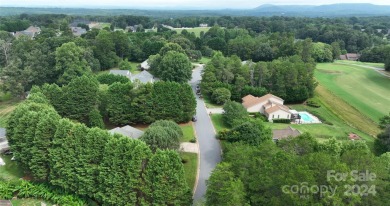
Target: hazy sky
<point x="212" y="4"/>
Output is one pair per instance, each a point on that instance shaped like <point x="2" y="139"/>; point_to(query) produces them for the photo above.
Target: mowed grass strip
<point x="188" y="132"/>
<point x="346" y="112"/>
<point x="190" y="163"/>
<point x="363" y="88"/>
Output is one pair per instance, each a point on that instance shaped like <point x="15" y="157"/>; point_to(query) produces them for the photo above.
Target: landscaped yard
<point x="196" y="30"/>
<point x="188" y="132"/>
<point x="209" y="104"/>
<point x="190" y="162"/>
<point x="363" y="88"/>
<point x="333" y="126"/>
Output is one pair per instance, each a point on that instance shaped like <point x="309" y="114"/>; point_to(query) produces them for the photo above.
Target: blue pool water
<point x="306" y="117"/>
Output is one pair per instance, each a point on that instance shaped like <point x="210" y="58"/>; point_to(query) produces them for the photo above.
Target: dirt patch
<point x="329" y="71"/>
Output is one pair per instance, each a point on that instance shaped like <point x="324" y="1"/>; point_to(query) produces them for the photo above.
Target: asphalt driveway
<point x="209" y="148"/>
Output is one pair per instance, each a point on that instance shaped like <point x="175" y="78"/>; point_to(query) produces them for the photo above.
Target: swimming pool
<point x="308" y="118"/>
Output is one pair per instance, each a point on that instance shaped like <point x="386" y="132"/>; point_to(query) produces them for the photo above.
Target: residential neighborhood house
<point x="269" y="105"/>
<point x="278" y="134"/>
<point x="78" y="31"/>
<point x="128" y="131"/>
<point x="145" y="65"/>
<point x="143" y="77"/>
<point x="31" y="32"/>
<point x="350" y="57"/>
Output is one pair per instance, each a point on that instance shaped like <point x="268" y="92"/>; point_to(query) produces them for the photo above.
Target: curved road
<point x="209" y="148"/>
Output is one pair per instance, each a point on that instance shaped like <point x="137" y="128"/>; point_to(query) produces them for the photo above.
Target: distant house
<point x="78" y="31"/>
<point x="132" y="28"/>
<point x="145" y="65"/>
<point x="128" y="131"/>
<point x="269" y="105"/>
<point x="278" y="134"/>
<point x="143" y="77"/>
<point x="31" y="32"/>
<point x="125" y="73"/>
<point x="3" y="141"/>
<point x="203" y="25"/>
<point x="350" y="56"/>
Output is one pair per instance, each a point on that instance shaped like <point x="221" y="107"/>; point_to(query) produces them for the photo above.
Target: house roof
<point x="33" y="29"/>
<point x="277" y="107"/>
<point x="343" y="57"/>
<point x="78" y="31"/>
<point x="145" y="65"/>
<point x="249" y="100"/>
<point x="143" y="77"/>
<point x="284" y="133"/>
<point x="128" y="131"/>
<point x="2" y="132"/>
<point x="126" y="73"/>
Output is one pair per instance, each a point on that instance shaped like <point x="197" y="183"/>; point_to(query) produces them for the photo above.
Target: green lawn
<point x="378" y="65"/>
<point x="204" y="60"/>
<point x="364" y="89"/>
<point x="6" y="107"/>
<point x="10" y="171"/>
<point x="218" y="123"/>
<point x="188" y="132"/>
<point x="190" y="163"/>
<point x="209" y="104"/>
<point x="196" y="30"/>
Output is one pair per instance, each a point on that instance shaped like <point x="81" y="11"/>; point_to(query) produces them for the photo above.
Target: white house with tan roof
<point x="269" y="105"/>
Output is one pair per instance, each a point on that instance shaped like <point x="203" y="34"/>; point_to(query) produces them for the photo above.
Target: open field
<point x="190" y="163"/>
<point x="362" y="88"/>
<point x="196" y="30"/>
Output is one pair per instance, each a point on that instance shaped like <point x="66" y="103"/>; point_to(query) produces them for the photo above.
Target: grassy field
<point x="378" y="65"/>
<point x="364" y="89"/>
<point x="188" y="132"/>
<point x="190" y="163"/>
<point x="196" y="30"/>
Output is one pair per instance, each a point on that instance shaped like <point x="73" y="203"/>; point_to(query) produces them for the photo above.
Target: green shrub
<point x="286" y="121"/>
<point x="193" y="140"/>
<point x="221" y="95"/>
<point x="313" y="103"/>
<point x="109" y="79"/>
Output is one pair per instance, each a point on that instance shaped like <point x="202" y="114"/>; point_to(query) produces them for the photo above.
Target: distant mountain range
<point x="323" y="10"/>
<point x="331" y="10"/>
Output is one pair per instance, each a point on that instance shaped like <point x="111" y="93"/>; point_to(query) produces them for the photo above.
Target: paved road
<point x="209" y="148"/>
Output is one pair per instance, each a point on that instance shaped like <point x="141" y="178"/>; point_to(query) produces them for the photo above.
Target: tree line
<point x="90" y="162"/>
<point x="88" y="102"/>
<point x="289" y="78"/>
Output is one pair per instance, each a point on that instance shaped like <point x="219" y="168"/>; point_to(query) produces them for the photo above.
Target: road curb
<point x="198" y="170"/>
